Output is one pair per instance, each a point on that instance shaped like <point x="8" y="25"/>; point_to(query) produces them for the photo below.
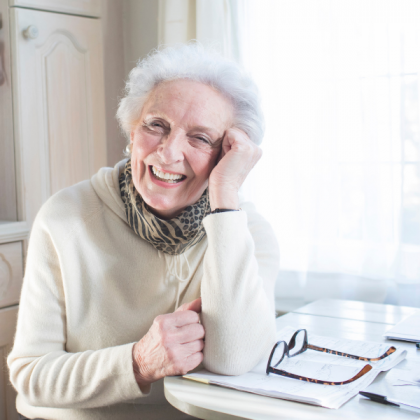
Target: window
<point x="340" y="175"/>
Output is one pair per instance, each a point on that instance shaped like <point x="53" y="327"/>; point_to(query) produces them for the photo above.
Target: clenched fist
<point x="172" y="346"/>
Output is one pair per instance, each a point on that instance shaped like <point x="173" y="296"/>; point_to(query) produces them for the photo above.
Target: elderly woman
<point x="121" y="267"/>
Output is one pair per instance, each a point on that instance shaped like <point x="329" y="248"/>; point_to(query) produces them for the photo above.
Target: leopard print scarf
<point x="173" y="236"/>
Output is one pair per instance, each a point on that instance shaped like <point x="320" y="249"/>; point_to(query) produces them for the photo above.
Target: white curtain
<point x="176" y="21"/>
<point x="220" y="25"/>
<point x="340" y="175"/>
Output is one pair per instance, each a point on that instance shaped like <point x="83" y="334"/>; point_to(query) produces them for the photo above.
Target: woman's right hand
<point x="172" y="346"/>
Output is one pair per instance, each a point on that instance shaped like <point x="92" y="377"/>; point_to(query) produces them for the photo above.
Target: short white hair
<point x="193" y="62"/>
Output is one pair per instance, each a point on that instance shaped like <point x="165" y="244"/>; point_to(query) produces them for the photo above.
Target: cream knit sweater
<point x="92" y="288"/>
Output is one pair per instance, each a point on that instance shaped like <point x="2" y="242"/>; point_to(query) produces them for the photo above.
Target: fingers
<point x="186" y="365"/>
<point x="180" y="356"/>
<point x="235" y="137"/>
<point x="195" y="306"/>
<point x="172" y="346"/>
<point x="193" y="347"/>
<point x="246" y="151"/>
<point x="194" y="360"/>
<point x="175" y="320"/>
<point x="185" y="318"/>
<point x="189" y="333"/>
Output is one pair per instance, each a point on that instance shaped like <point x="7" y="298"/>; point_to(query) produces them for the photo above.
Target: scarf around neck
<point x="173" y="236"/>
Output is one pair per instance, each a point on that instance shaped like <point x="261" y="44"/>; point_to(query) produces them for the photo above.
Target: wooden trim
<point x="8" y="319"/>
<point x="13" y="231"/>
<point x="8" y="206"/>
<point x="91" y="8"/>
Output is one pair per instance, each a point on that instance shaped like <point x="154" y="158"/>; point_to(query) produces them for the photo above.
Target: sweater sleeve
<point x="240" y="268"/>
<point x="41" y="369"/>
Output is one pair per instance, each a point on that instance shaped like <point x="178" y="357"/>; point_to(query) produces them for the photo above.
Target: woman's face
<point x="176" y="143"/>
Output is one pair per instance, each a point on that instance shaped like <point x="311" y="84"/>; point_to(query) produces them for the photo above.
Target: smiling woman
<point x="129" y="272"/>
<point x="178" y="135"/>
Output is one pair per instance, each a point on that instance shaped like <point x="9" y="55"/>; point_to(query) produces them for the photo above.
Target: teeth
<point x="164" y="176"/>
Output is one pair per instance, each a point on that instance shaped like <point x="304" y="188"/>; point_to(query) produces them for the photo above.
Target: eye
<point x="154" y="126"/>
<point x="199" y="142"/>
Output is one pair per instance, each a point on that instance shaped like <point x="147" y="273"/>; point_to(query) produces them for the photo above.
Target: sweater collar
<point x="106" y="185"/>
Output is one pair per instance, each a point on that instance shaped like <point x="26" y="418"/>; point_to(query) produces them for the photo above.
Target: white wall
<point x="130" y="31"/>
<point x="177" y="21"/>
<point x="113" y="44"/>
<point x="140" y="19"/>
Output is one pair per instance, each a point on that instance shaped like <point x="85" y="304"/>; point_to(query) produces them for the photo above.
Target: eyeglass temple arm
<point x="352" y="356"/>
<point x="365" y="370"/>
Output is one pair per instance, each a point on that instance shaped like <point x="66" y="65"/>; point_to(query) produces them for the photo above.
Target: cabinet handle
<point x="31" y="32"/>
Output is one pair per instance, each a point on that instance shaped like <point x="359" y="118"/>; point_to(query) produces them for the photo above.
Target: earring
<point x="128" y="149"/>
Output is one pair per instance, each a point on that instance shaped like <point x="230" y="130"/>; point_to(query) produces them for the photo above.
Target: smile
<point x="166" y="177"/>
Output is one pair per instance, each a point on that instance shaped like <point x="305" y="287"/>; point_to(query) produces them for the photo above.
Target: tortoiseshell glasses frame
<point x="305" y="346"/>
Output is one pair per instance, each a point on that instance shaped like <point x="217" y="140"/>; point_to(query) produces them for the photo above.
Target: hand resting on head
<point x="238" y="156"/>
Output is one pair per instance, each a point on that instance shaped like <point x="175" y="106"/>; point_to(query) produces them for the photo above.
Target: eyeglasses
<point x="298" y="344"/>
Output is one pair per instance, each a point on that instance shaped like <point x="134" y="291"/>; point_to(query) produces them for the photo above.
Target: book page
<point x="328" y="396"/>
<point x="313" y="364"/>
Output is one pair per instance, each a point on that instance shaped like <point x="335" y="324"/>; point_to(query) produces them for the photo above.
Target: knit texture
<point x="92" y="288"/>
<point x="173" y="236"/>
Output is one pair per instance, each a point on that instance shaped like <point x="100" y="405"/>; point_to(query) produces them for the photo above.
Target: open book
<point x="311" y="364"/>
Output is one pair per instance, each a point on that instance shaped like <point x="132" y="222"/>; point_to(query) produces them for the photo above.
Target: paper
<point x="291" y="389"/>
<point x="406" y="330"/>
<point x="401" y="377"/>
<point x="312" y="364"/>
<point x="407" y="395"/>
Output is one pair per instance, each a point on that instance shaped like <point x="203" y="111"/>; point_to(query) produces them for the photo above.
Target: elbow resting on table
<point x="237" y="361"/>
<point x="229" y="369"/>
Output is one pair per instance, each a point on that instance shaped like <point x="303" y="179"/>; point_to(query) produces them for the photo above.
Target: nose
<point x="170" y="149"/>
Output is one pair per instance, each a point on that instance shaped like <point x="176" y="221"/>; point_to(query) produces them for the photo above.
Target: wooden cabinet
<point x="11" y="273"/>
<point x="52" y="130"/>
<point x="8" y="206"/>
<point x="8" y="317"/>
<point x="75" y="7"/>
<point x="58" y="102"/>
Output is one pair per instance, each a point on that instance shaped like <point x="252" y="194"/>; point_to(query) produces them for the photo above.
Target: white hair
<point x="193" y="62"/>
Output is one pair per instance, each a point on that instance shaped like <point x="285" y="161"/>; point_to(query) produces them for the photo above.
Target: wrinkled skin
<point x="172" y="346"/>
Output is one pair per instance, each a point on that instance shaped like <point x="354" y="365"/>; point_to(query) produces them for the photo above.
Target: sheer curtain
<point x="340" y="175"/>
<point x="222" y="25"/>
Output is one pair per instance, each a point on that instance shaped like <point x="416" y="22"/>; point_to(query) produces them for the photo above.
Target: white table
<point x="333" y="317"/>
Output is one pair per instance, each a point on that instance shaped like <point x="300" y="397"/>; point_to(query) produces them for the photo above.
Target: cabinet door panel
<point x="8" y="318"/>
<point x="11" y="276"/>
<point x="77" y="7"/>
<point x="59" y="102"/>
<point x="64" y="68"/>
<point x="8" y="210"/>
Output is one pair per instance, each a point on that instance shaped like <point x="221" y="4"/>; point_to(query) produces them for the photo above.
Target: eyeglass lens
<point x="299" y="343"/>
<point x="278" y="354"/>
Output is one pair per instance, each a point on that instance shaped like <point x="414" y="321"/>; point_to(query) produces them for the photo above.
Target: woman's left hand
<point x="238" y="156"/>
